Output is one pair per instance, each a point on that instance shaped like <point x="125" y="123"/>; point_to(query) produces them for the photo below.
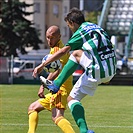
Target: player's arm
<point x="41" y="92"/>
<point x="54" y="57"/>
<point x="52" y="76"/>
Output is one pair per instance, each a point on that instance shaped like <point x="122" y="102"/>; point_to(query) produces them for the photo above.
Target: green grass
<point x="110" y="110"/>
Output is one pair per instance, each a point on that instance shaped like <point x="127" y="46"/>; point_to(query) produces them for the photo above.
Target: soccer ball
<point x="53" y="66"/>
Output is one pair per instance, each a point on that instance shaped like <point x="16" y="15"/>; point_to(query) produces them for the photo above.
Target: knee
<point x="57" y="119"/>
<point x="69" y="98"/>
<point x="57" y="114"/>
<point x="53" y="119"/>
<point x="35" y="106"/>
<point x="31" y="108"/>
<point x="77" y="53"/>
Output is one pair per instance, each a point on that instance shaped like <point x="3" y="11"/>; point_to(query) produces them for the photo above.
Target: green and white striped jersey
<point x="93" y="39"/>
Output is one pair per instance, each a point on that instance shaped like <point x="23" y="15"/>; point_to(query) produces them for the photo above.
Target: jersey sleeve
<point x="75" y="41"/>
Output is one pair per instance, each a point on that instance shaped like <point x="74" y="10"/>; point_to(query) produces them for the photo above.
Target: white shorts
<point x="86" y="85"/>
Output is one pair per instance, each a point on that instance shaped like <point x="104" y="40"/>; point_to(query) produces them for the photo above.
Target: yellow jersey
<point x="69" y="82"/>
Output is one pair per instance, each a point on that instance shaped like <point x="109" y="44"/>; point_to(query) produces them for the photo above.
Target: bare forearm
<point x="52" y="76"/>
<point x="54" y="57"/>
<point x="57" y="55"/>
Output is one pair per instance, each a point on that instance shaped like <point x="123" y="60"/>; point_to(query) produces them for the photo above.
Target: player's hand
<point x="37" y="70"/>
<point x="34" y="74"/>
<point x="41" y="92"/>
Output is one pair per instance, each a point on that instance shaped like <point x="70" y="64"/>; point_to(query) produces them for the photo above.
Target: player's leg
<point x="82" y="85"/>
<point x="61" y="121"/>
<point x="33" y="111"/>
<point x="78" y="113"/>
<point x="35" y="108"/>
<point x="68" y="69"/>
<point x="58" y="110"/>
<point x="77" y="110"/>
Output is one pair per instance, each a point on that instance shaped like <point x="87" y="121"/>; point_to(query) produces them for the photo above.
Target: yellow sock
<point x="33" y="121"/>
<point x="64" y="124"/>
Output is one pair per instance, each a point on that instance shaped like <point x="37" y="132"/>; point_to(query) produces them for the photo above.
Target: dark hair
<point x="75" y="15"/>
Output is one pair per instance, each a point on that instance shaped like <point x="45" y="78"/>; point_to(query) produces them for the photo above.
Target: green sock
<point x="78" y="113"/>
<point x="68" y="70"/>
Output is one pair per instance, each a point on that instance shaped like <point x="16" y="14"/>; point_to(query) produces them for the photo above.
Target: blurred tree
<point x="92" y="16"/>
<point x="16" y="32"/>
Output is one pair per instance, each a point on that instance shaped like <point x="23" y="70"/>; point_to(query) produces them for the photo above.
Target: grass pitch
<point x="110" y="110"/>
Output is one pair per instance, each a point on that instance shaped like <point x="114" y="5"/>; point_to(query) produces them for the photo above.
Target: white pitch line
<point x="95" y="126"/>
<point x="11" y="124"/>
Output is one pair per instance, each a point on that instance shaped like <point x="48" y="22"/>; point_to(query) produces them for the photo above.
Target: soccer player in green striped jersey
<point x="93" y="50"/>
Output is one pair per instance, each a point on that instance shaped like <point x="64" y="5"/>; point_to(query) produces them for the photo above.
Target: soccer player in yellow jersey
<point x="56" y="103"/>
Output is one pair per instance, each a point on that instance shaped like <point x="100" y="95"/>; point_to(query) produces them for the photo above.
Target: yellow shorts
<point x="58" y="100"/>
